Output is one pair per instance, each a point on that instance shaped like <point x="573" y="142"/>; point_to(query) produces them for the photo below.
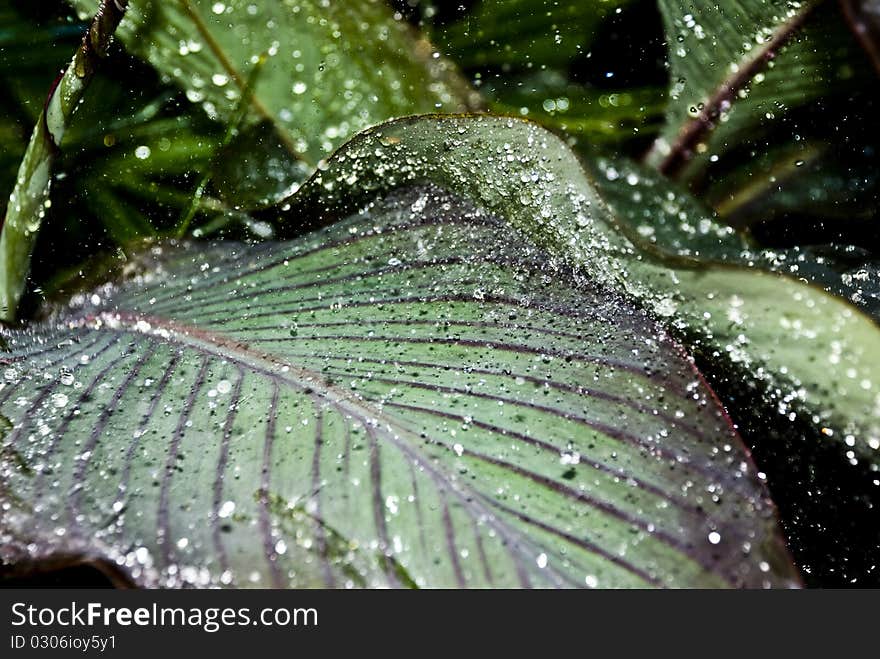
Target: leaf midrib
<point x="343" y="402"/>
<point x="695" y="128"/>
<point x="314" y="383"/>
<point x="240" y="80"/>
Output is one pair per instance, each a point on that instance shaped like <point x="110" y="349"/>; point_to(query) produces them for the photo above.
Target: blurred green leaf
<point x="128" y="165"/>
<point x="333" y="68"/>
<point x="233" y="127"/>
<point x="522" y="34"/>
<point x="255" y="170"/>
<point x="28" y="47"/>
<point x="31" y="55"/>
<point x="789" y="187"/>
<point x="526" y="58"/>
<point x="595" y="117"/>
<point x="738" y="68"/>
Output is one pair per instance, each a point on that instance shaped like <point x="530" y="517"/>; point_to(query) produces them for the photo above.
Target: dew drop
<point x="226" y="509"/>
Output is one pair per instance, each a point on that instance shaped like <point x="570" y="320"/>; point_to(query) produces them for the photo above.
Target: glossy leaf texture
<point x="799" y="335"/>
<point x="409" y="398"/>
<point x="669" y="223"/>
<point x="804" y="324"/>
<point x="632" y="231"/>
<point x="332" y="69"/>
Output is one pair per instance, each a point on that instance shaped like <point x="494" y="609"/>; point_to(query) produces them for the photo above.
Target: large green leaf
<point x="333" y="68"/>
<point x="597" y="223"/>
<point x="411" y="397"/>
<point x="808" y="355"/>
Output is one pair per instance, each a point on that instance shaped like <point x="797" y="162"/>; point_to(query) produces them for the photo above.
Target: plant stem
<point x="30" y="196"/>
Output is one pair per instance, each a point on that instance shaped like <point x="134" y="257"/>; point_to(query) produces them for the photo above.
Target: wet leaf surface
<point x="407" y="398"/>
<point x="333" y="68"/>
<point x="461" y="364"/>
<point x="635" y="232"/>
